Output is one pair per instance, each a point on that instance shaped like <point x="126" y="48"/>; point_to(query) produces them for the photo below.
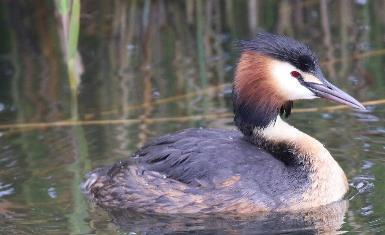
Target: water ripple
<point x="6" y="189"/>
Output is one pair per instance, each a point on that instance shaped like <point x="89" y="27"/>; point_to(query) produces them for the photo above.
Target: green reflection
<point x="82" y="164"/>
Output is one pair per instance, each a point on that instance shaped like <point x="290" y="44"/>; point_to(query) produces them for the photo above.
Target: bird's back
<point x="199" y="170"/>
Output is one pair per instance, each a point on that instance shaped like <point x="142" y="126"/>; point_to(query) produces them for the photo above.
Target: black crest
<point x="283" y="48"/>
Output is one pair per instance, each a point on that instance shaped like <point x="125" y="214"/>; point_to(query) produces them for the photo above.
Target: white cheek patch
<point x="288" y="86"/>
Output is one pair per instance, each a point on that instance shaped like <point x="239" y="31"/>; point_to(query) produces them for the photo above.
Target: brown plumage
<point x="253" y="81"/>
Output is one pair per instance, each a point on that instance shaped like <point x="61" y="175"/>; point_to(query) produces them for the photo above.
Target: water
<point x="153" y="67"/>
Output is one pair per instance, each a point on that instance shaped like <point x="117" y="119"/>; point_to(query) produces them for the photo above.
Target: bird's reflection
<point x="327" y="219"/>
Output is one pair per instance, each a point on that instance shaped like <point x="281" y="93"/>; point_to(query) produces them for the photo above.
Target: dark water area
<point x="147" y="68"/>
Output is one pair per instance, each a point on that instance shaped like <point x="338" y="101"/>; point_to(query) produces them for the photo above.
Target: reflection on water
<point x="323" y="220"/>
<point x="152" y="67"/>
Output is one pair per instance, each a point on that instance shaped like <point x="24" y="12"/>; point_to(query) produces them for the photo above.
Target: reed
<point x="68" y="12"/>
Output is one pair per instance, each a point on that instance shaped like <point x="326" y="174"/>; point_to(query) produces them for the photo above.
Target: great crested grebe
<point x="268" y="166"/>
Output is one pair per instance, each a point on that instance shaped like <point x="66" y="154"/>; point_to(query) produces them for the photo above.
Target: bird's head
<point x="272" y="72"/>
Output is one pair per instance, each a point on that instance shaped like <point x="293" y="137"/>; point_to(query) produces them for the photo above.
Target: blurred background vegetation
<point x="83" y="83"/>
<point x="164" y="49"/>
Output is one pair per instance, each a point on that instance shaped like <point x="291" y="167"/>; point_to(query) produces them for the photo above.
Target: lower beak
<point x="333" y="93"/>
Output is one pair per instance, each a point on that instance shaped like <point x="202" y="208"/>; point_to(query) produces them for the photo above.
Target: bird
<point x="265" y="165"/>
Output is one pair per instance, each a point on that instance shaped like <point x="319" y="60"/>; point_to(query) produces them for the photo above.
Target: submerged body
<point x="266" y="166"/>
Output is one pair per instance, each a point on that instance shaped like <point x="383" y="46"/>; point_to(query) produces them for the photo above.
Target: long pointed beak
<point x="333" y="93"/>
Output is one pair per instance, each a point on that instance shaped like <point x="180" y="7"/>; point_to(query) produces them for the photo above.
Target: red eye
<point x="295" y="74"/>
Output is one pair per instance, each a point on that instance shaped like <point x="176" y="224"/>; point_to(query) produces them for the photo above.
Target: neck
<point x="306" y="155"/>
<point x="259" y="115"/>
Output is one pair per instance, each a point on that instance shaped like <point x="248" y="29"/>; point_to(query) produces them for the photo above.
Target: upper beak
<point x="329" y="91"/>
